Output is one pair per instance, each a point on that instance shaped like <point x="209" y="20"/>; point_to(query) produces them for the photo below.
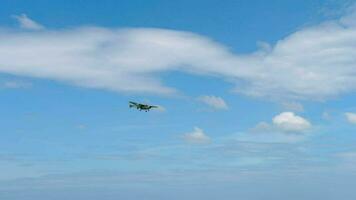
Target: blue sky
<point x="256" y="100"/>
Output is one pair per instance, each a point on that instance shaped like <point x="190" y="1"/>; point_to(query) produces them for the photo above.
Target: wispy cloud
<point x="293" y="106"/>
<point x="315" y="63"/>
<point x="27" y="23"/>
<point x="197" y="136"/>
<point x="215" y="102"/>
<point x="15" y="84"/>
<point x="351" y="117"/>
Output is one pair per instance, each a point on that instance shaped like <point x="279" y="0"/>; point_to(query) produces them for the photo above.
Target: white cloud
<point x="196" y="137"/>
<point x="285" y="128"/>
<point x="214" y="101"/>
<point x="313" y="63"/>
<point x="351" y="117"/>
<point x="290" y="122"/>
<point x="27" y="23"/>
<point x="284" y="122"/>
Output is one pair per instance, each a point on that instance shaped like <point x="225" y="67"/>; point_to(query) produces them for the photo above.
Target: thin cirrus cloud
<point x="215" y="102"/>
<point x="293" y="106"/>
<point x="27" y="23"/>
<point x="313" y="63"/>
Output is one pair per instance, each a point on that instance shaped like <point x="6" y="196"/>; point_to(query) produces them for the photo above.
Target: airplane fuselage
<point x="141" y="107"/>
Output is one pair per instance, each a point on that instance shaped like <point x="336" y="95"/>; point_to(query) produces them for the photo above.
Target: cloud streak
<point x="215" y="102"/>
<point x="15" y="84"/>
<point x="315" y="63"/>
<point x="27" y="23"/>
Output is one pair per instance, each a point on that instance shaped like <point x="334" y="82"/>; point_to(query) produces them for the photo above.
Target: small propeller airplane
<point x="140" y="106"/>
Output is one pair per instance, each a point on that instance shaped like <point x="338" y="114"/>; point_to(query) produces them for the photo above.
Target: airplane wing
<point x="134" y="103"/>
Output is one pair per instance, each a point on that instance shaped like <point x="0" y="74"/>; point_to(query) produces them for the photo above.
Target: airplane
<point x="140" y="106"/>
